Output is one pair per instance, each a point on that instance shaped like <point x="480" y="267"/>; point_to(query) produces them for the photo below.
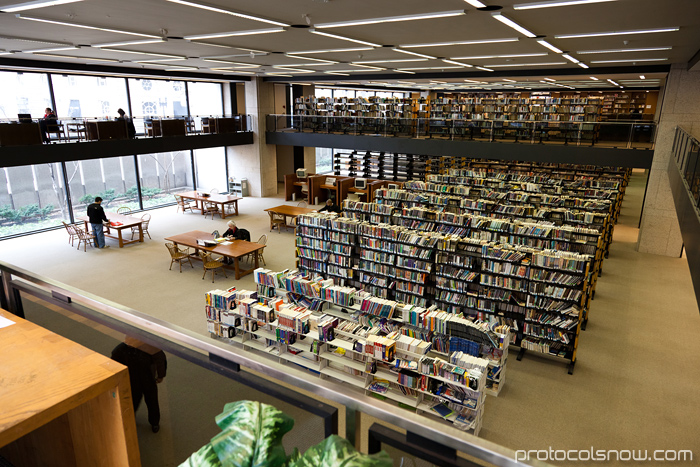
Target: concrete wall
<point x="285" y="161"/>
<point x="660" y="232"/>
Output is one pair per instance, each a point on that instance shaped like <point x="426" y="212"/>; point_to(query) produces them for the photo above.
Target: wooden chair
<point x="212" y="208"/>
<point x="178" y="255"/>
<point x="262" y="241"/>
<point x="84" y="237"/>
<point x="182" y="204"/>
<point x="145" y="220"/>
<point x="211" y="264"/>
<point x="302" y="204"/>
<point x="56" y="129"/>
<point x="124" y="210"/>
<point x="72" y="234"/>
<point x="276" y="220"/>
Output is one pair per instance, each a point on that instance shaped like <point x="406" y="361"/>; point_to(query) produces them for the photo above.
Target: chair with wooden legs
<point x="72" y="234"/>
<point x="276" y="220"/>
<point x="251" y="256"/>
<point x="84" y="237"/>
<point x="145" y="220"/>
<point x="178" y="255"/>
<point x="211" y="264"/>
<point x="124" y="210"/>
<point x="183" y="204"/>
<point x="212" y="208"/>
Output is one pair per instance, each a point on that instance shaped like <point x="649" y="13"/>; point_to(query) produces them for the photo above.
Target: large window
<point x="156" y="98"/>
<point x="24" y="93"/>
<point x="205" y="101"/>
<point x="163" y="174"/>
<point x="89" y="96"/>
<point x="210" y="167"/>
<point x="324" y="160"/>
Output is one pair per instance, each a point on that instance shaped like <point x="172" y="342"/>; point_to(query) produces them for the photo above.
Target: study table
<point x="62" y="404"/>
<point x="222" y="200"/>
<point x="235" y="249"/>
<point x="126" y="222"/>
<point x="288" y="211"/>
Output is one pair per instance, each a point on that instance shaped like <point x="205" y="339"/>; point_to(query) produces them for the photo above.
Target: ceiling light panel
<point x="343" y="38"/>
<point x="475" y="3"/>
<point x="251" y="32"/>
<point x="391" y="19"/>
<point x="127" y="43"/>
<point x="85" y="26"/>
<point x="414" y="53"/>
<point x="403" y="60"/>
<point x="325" y="51"/>
<point x="512" y="24"/>
<point x="611" y="51"/>
<point x="226" y="11"/>
<point x="484" y="57"/>
<point x="631" y="60"/>
<point x="526" y="64"/>
<point x="556" y="3"/>
<point x="550" y="46"/>
<point x="33" y="5"/>
<point x="471" y="42"/>
<point x="143" y="53"/>
<point x="617" y="33"/>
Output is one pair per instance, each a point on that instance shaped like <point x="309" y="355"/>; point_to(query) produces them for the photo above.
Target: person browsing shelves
<point x="97" y="216"/>
<point x="330" y="206"/>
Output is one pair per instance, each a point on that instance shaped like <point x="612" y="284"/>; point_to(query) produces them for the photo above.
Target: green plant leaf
<point x="205" y="457"/>
<point x="335" y="451"/>
<point x="251" y="435"/>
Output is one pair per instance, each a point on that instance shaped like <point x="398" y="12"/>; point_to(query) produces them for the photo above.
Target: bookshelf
<point x="379" y="165"/>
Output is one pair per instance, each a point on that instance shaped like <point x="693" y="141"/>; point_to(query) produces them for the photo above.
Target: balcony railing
<point x="619" y="134"/>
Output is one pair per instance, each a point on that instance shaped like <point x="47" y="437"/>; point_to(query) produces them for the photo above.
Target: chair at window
<point x="145" y="220"/>
<point x="72" y="234"/>
<point x="183" y="204"/>
<point x="56" y="129"/>
<point x="178" y="255"/>
<point x="124" y="210"/>
<point x="189" y="126"/>
<point x="276" y="220"/>
<point x="211" y="264"/>
<point x="84" y="237"/>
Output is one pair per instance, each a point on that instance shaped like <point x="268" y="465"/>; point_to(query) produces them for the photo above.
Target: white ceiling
<point x="264" y="54"/>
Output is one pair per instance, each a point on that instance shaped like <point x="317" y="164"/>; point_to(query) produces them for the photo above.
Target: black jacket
<point x="96" y="214"/>
<point x="331" y="208"/>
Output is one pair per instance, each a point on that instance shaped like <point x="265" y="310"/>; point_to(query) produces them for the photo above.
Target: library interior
<point x="426" y="234"/>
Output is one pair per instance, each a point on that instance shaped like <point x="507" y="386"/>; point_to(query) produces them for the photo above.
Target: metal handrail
<point x="159" y="331"/>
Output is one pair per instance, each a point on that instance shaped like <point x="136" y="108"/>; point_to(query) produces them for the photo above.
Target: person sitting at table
<point x="130" y="128"/>
<point x="48" y="120"/>
<point x="330" y="206"/>
<point x="234" y="233"/>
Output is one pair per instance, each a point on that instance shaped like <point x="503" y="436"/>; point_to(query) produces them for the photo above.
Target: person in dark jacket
<point x="330" y="206"/>
<point x="147" y="367"/>
<point x="97" y="216"/>
<point x="48" y="120"/>
<point x="234" y="233"/>
<point x="130" y="128"/>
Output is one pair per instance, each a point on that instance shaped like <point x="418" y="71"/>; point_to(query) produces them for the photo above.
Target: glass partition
<point x="210" y="168"/>
<point x="162" y="174"/>
<point x="89" y="96"/>
<point x="205" y="101"/>
<point x="24" y="93"/>
<point x="156" y="98"/>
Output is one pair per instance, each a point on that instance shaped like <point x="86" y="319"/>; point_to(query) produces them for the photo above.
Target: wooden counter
<point x="62" y="404"/>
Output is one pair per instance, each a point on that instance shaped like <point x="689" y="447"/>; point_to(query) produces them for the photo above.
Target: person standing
<point x="130" y="128"/>
<point x="147" y="367"/>
<point x="97" y="216"/>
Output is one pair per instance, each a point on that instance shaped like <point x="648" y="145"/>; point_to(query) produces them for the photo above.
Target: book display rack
<point x="355" y="338"/>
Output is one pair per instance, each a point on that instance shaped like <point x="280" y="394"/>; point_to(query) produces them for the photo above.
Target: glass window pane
<point x="365" y="94"/>
<point x="112" y="179"/>
<point x="23" y="93"/>
<point x="324" y="92"/>
<point x="205" y="101"/>
<point x="89" y="96"/>
<point x="210" y="167"/>
<point x="156" y="98"/>
<point x="383" y="94"/>
<point x="32" y="197"/>
<point x="162" y="174"/>
<point x="324" y="160"/>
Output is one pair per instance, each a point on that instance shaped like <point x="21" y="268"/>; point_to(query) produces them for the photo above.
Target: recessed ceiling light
<point x="570" y="58"/>
<point x="610" y="51"/>
<point x="617" y="33"/>
<point x="458" y="63"/>
<point x="249" y="32"/>
<point x="216" y="9"/>
<point x="631" y="60"/>
<point x="324" y="51"/>
<point x="554" y="3"/>
<point x="527" y="64"/>
<point x="391" y="19"/>
<point x="593" y="78"/>
<point x="85" y="26"/>
<point x="641" y="77"/>
<point x="343" y="38"/>
<point x="473" y="42"/>
<point x="509" y="22"/>
<point x="35" y="4"/>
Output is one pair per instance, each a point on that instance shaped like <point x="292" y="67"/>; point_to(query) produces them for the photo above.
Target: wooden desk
<point x="319" y="189"/>
<point x="174" y="127"/>
<point x="236" y="250"/>
<point x="62" y="404"/>
<point x="222" y="200"/>
<point x="127" y="223"/>
<point x="293" y="184"/>
<point x="19" y="134"/>
<point x="288" y="211"/>
<point x="106" y="130"/>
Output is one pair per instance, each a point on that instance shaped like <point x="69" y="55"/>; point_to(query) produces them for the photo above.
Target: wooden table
<point x="221" y="200"/>
<point x="288" y="211"/>
<point x="62" y="404"/>
<point x="127" y="222"/>
<point x="235" y="250"/>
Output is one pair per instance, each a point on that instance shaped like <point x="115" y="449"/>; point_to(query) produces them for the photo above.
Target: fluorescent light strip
<point x="570" y="58"/>
<point x="472" y="81"/>
<point x="143" y="53"/>
<point x="509" y="22"/>
<point x="554" y="3"/>
<point x="527" y="64"/>
<point x="641" y="77"/>
<point x="404" y="71"/>
<point x="616" y="33"/>
<point x="483" y="57"/>
<point x="367" y="66"/>
<point x="216" y="9"/>
<point x="339" y="73"/>
<point x="324" y="51"/>
<point x="249" y="32"/>
<point x="550" y="46"/>
<point x="224" y="70"/>
<point x="32" y="5"/>
<point x="434" y="68"/>
<point x="160" y="60"/>
<point x="320" y="60"/>
<point x="229" y="62"/>
<point x="582" y="65"/>
<point x="631" y="60"/>
<point x="475" y="3"/>
<point x="391" y="19"/>
<point x="458" y="63"/>
<point x="438" y="82"/>
<point x="85" y="26"/>
<point x="348" y="71"/>
<point x="293" y="70"/>
<point x="550" y="79"/>
<point x="611" y="51"/>
<point x="121" y="44"/>
<point x="53" y="49"/>
<point x="343" y="38"/>
<point x="613" y="82"/>
<point x="506" y="79"/>
<point x="594" y="78"/>
<point x="406" y="82"/>
<point x="474" y="42"/>
<point x="483" y="68"/>
<point x="394" y="61"/>
<point x="178" y="68"/>
<point x="73" y="57"/>
<point x="430" y="57"/>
